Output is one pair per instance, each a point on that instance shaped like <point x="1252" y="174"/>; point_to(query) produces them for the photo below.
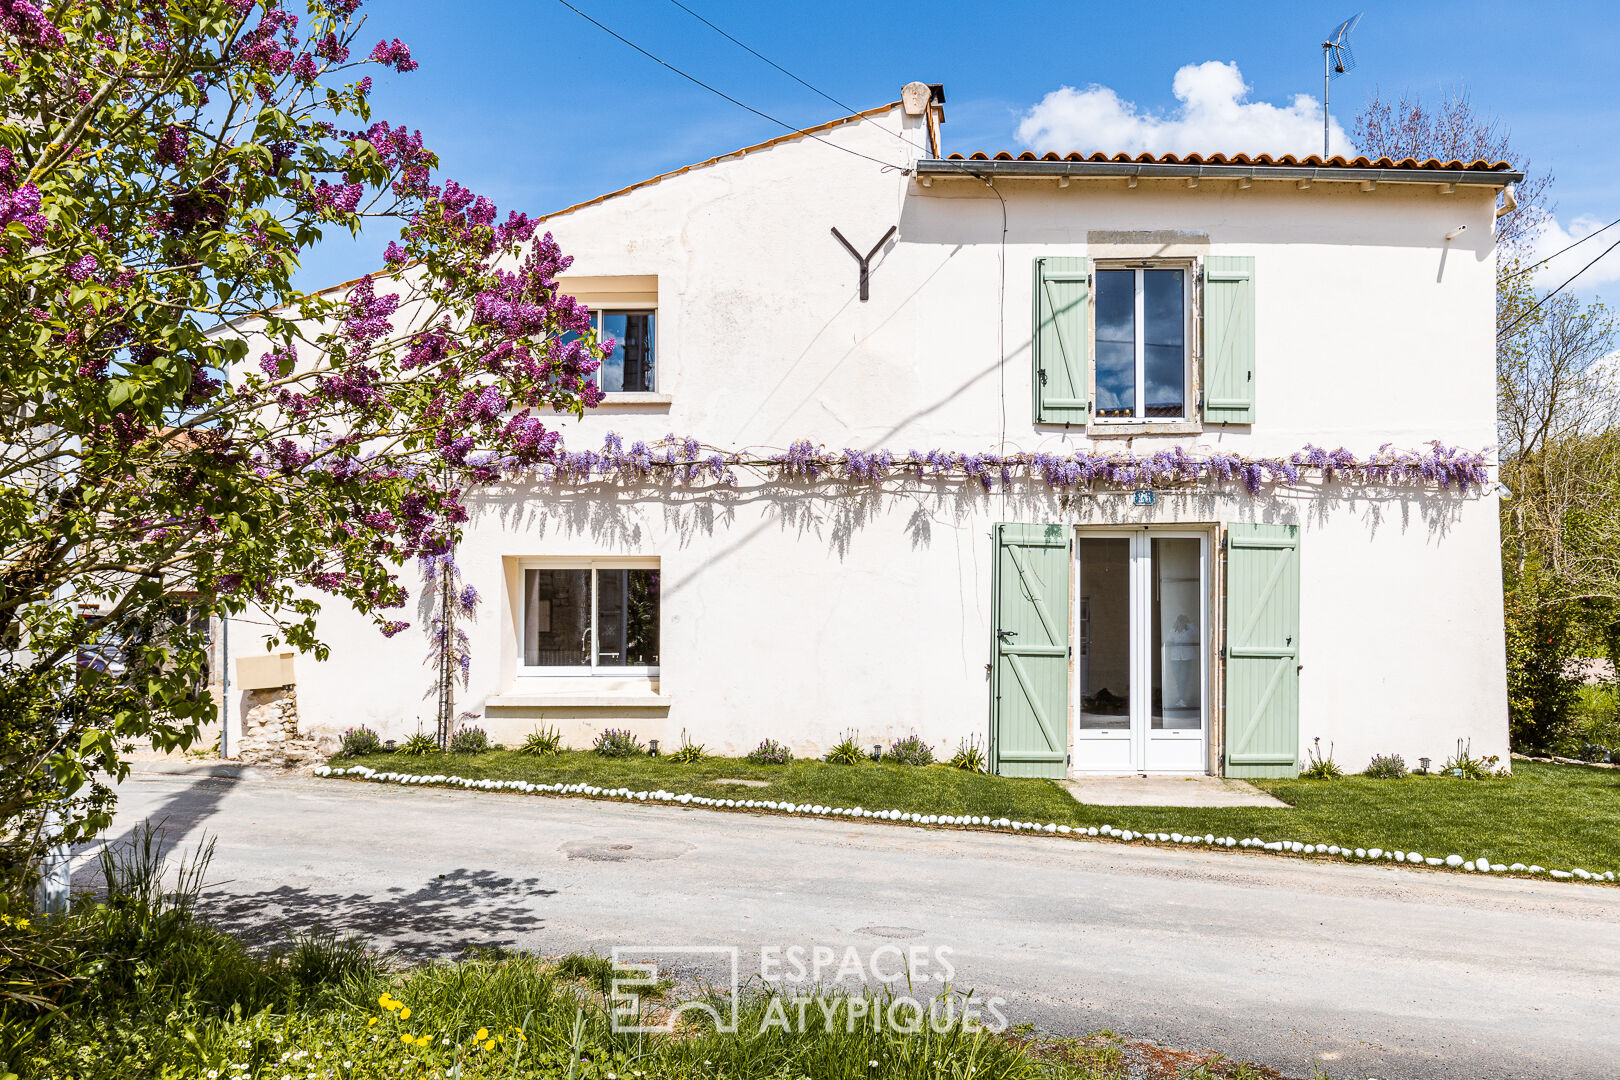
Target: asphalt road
<point x="1357" y="970"/>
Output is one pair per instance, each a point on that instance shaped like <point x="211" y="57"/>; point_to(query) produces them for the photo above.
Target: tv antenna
<point x="1337" y="59"/>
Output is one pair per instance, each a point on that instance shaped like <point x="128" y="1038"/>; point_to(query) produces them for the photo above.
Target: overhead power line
<point x="807" y="85"/>
<point x="1537" y="305"/>
<point x="1576" y="244"/>
<point x="721" y="93"/>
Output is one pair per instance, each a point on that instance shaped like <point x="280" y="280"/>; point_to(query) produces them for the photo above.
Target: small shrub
<point x="1386" y="767"/>
<point x="359" y="740"/>
<point x="969" y="756"/>
<point x="1465" y="766"/>
<point x="419" y="745"/>
<point x="469" y="740"/>
<point x="545" y="742"/>
<point x="770" y="752"/>
<point x="617" y="743"/>
<point x="689" y="752"/>
<point x="847" y="751"/>
<point x="1595" y="753"/>
<point x="911" y="750"/>
<point x="1321" y="766"/>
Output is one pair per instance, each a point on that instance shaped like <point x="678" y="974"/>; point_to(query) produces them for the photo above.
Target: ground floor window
<point x="583" y="617"/>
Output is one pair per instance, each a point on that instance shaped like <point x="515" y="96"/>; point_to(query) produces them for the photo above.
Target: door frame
<point x="1212" y="573"/>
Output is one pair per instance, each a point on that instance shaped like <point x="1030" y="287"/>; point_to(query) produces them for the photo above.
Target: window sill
<point x="1098" y="430"/>
<point x="634" y="401"/>
<point x="543" y="693"/>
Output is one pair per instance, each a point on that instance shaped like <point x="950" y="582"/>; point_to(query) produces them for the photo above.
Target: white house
<point x="1226" y="313"/>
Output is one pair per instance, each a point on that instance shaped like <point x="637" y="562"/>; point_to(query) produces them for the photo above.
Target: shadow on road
<point x="176" y="818"/>
<point x="442" y="918"/>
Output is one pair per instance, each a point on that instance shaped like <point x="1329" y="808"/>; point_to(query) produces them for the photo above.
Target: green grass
<point x="1557" y="816"/>
<point x="136" y="985"/>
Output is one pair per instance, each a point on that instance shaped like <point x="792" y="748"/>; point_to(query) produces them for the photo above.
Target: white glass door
<point x="1141" y="658"/>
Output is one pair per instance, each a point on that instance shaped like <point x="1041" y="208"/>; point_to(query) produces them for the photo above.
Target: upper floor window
<point x="590" y="617"/>
<point x="631" y="367"/>
<point x="623" y="307"/>
<point x="1123" y="346"/>
<point x="1143" y="363"/>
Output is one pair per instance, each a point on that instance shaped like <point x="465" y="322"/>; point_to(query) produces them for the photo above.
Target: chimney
<point x="926" y="100"/>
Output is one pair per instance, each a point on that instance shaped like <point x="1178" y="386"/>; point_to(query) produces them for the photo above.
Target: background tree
<point x="1558" y="429"/>
<point x="163" y="164"/>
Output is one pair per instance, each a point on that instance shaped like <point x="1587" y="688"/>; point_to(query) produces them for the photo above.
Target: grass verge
<point x="136" y="984"/>
<point x="1557" y="816"/>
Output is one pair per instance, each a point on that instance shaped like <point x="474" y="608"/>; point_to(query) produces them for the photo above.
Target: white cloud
<point x="1213" y="117"/>
<point x="1553" y="236"/>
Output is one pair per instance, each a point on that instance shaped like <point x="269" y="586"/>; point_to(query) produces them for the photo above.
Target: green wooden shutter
<point x="1029" y="682"/>
<point x="1062" y="342"/>
<point x="1229" y="339"/>
<point x="1262" y="650"/>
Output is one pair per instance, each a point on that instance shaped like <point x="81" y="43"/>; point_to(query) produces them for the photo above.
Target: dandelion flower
<point x="490" y="1045"/>
<point x="483" y="1033"/>
<point x="404" y="1013"/>
<point x="372" y="1022"/>
<point x="407" y="1040"/>
<point x="384" y="1000"/>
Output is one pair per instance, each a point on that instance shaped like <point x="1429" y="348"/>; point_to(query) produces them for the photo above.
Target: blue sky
<point x="530" y="104"/>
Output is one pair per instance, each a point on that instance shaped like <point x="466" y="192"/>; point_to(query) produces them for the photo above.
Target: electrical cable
<point x="808" y="86"/>
<point x="721" y="93"/>
<point x="1537" y="305"/>
<point x="1576" y="244"/>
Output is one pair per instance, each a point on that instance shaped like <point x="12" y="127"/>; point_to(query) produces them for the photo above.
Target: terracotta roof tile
<point x="1285" y="161"/>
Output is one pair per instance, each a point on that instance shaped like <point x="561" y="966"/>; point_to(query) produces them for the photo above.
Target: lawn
<point x="1557" y="816"/>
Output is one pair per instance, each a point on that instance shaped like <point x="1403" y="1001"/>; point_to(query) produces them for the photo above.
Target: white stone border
<point x="1294" y="847"/>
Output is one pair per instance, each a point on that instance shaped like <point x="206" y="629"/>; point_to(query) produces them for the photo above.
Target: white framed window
<point x="631" y="368"/>
<point x="1142" y="345"/>
<point x="589" y="617"/>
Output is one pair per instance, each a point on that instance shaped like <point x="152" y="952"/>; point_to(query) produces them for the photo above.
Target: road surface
<point x="1358" y="970"/>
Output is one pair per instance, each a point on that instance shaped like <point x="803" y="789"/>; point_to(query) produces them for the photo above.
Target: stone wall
<point x="270" y="733"/>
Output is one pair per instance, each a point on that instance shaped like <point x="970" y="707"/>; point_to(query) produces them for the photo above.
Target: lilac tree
<point x="163" y="166"/>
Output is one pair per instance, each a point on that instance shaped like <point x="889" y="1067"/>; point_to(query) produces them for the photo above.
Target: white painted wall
<point x="800" y="611"/>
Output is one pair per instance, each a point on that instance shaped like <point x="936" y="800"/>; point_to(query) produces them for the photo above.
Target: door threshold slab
<point x="1167" y="789"/>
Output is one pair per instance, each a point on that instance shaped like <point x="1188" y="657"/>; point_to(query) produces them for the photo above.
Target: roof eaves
<point x="1165" y="170"/>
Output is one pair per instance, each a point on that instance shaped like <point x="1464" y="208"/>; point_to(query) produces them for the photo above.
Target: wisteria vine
<point x="687" y="460"/>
